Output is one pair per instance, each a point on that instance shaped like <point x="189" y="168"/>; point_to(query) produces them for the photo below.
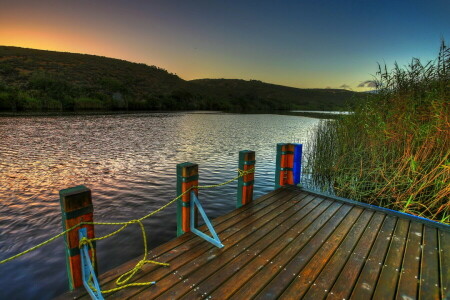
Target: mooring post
<point x="298" y="150"/>
<point x="246" y="182"/>
<point x="76" y="207"/>
<point x="187" y="176"/>
<point x="288" y="164"/>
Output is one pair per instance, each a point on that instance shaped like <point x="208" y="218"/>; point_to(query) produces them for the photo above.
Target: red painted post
<point x="76" y="207"/>
<point x="246" y="182"/>
<point x="284" y="174"/>
<point x="187" y="176"/>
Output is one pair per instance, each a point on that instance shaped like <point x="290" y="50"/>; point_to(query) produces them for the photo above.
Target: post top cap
<point x="74" y="190"/>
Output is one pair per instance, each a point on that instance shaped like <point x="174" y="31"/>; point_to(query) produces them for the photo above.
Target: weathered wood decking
<point x="294" y="244"/>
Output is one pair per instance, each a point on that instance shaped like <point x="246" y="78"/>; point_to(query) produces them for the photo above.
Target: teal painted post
<point x="278" y="165"/>
<point x="245" y="183"/>
<point x="187" y="176"/>
<point x="76" y="207"/>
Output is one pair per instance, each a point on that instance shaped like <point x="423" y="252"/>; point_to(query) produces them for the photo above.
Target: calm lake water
<point x="128" y="161"/>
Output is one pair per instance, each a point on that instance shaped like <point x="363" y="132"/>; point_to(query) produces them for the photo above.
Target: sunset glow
<point x="309" y="45"/>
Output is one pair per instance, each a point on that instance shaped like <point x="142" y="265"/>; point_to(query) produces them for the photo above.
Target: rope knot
<point x="243" y="173"/>
<point x="84" y="241"/>
<point x="140" y="264"/>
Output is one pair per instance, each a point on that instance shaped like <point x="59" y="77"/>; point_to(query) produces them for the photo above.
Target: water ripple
<point x="129" y="162"/>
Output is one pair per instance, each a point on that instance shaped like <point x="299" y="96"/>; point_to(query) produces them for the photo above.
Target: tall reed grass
<point x="394" y="151"/>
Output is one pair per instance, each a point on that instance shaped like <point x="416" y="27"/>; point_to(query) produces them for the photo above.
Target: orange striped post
<point x="76" y="207"/>
<point x="284" y="174"/>
<point x="246" y="182"/>
<point x="187" y="176"/>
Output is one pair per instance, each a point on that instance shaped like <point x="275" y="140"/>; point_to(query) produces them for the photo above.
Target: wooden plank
<point x="365" y="286"/>
<point x="323" y="224"/>
<point x="409" y="276"/>
<point x="244" y="273"/>
<point x="317" y="247"/>
<point x="185" y="241"/>
<point x="179" y="245"/>
<point x="348" y="276"/>
<point x="259" y="208"/>
<point x="184" y="266"/>
<point x="198" y="246"/>
<point x="387" y="211"/>
<point x="262" y="252"/>
<point x="429" y="268"/>
<point x="320" y="287"/>
<point x="307" y="276"/>
<point x="390" y="273"/>
<point x="264" y="234"/>
<point x="292" y="245"/>
<point x="444" y="263"/>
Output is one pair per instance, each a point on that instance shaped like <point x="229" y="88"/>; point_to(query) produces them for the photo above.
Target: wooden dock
<point x="294" y="244"/>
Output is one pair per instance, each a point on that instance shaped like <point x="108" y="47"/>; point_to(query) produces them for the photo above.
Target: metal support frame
<point x="215" y="240"/>
<point x="87" y="272"/>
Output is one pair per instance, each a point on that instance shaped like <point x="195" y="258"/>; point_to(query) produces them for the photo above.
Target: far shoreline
<point x="304" y="113"/>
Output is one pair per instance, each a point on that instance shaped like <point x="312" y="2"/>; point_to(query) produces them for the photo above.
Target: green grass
<point x="394" y="151"/>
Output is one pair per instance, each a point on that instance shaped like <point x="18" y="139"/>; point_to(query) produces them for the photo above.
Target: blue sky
<point x="307" y="44"/>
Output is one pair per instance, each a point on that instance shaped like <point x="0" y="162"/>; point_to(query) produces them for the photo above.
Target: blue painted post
<point x="298" y="150"/>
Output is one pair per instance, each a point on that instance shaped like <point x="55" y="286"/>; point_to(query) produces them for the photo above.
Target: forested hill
<point x="38" y="80"/>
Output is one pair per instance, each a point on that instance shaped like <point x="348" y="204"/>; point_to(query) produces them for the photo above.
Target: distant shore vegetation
<point x="394" y="151"/>
<point x="48" y="81"/>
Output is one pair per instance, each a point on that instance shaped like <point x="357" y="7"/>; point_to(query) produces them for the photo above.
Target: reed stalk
<point x="394" y="151"/>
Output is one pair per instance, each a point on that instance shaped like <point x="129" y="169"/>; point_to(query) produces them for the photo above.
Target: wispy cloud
<point x="345" y="86"/>
<point x="367" y="83"/>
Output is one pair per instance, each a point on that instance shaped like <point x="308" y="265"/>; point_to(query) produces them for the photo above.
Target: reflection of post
<point x="288" y="164"/>
<point x="76" y="207"/>
<point x="187" y="176"/>
<point x="245" y="183"/>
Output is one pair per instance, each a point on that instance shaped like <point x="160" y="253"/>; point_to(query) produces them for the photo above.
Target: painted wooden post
<point x="288" y="164"/>
<point x="297" y="166"/>
<point x="76" y="207"/>
<point x="245" y="183"/>
<point x="187" y="176"/>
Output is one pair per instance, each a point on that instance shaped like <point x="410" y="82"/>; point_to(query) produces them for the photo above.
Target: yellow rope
<point x="124" y="278"/>
<point x="41" y="244"/>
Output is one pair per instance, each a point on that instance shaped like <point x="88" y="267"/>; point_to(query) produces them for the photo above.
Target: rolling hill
<point x="38" y="80"/>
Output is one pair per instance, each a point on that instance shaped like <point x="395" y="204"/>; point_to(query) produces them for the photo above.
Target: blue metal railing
<point x="87" y="271"/>
<point x="213" y="240"/>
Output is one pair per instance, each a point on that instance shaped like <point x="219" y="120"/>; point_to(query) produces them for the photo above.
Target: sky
<point x="304" y="44"/>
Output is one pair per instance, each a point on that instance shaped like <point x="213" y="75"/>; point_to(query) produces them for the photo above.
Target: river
<point x="128" y="161"/>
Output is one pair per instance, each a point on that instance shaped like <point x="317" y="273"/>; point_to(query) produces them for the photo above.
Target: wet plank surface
<point x="294" y="244"/>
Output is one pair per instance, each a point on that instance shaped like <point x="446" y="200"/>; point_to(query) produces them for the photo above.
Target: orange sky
<point x="302" y="45"/>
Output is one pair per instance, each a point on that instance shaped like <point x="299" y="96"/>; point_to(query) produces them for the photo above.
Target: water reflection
<point x="129" y="163"/>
